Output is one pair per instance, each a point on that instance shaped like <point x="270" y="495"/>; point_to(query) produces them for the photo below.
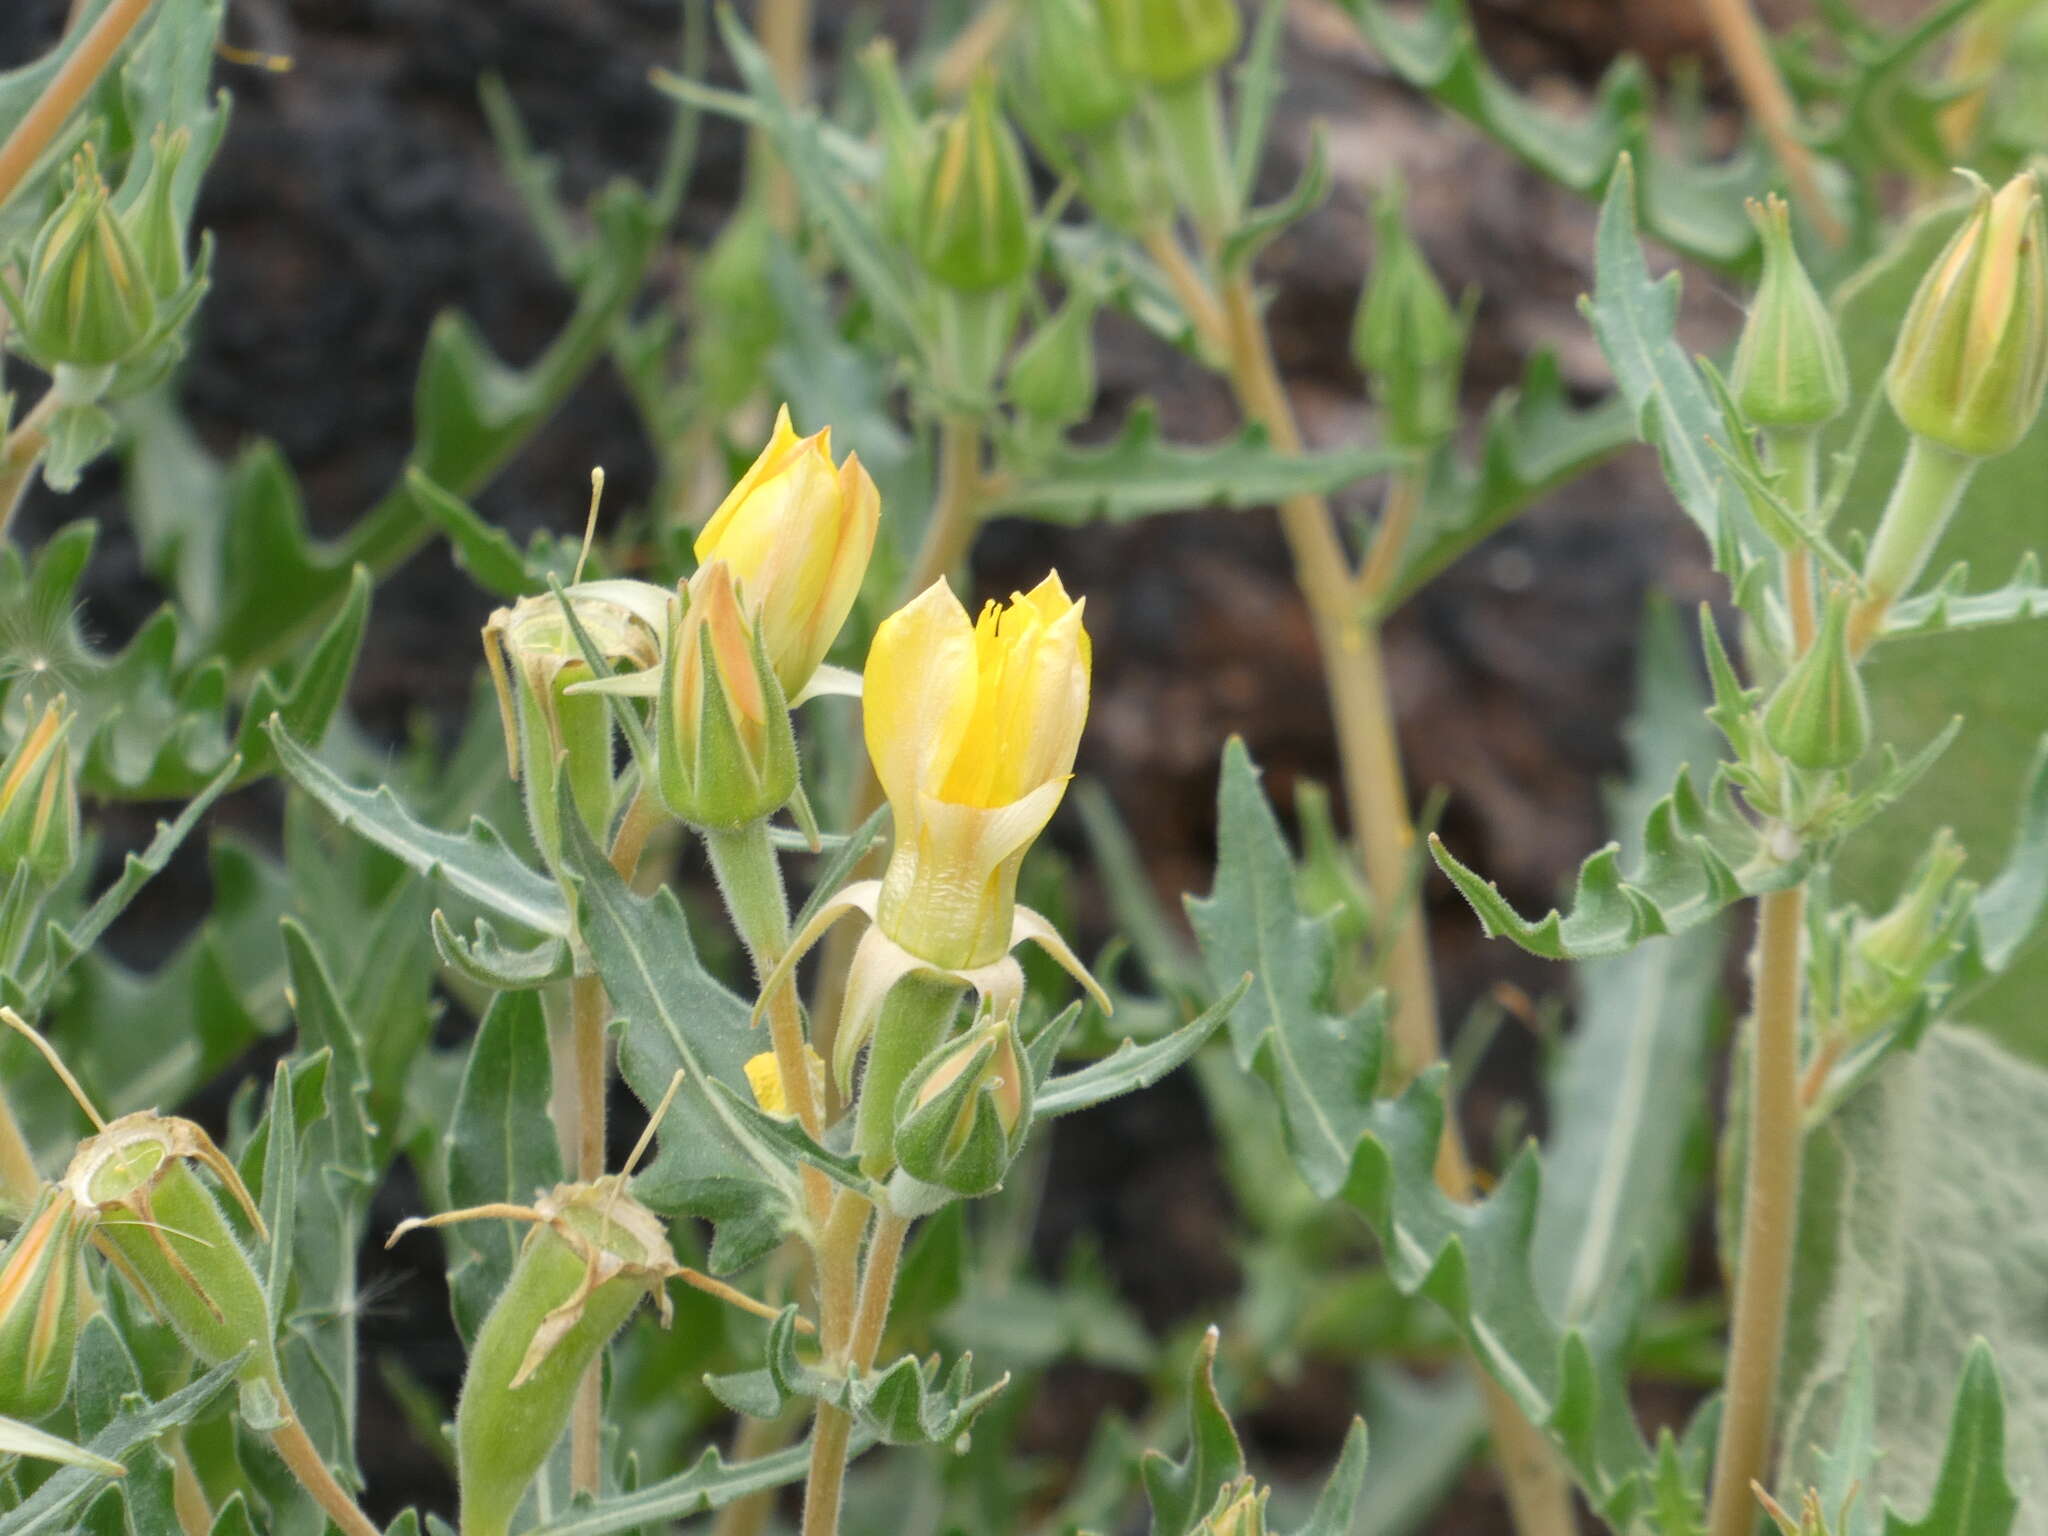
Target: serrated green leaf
<point x="486" y="553"/>
<point x="1337" y="1506"/>
<point x="1182" y="1492"/>
<point x="500" y="1146"/>
<point x="54" y="1504"/>
<point x="1634" y="316"/>
<point x="490" y="962"/>
<point x="1132" y="1066"/>
<point x="233" y="1518"/>
<point x="1264" y="225"/>
<point x="710" y="1160"/>
<point x="19" y="1439"/>
<point x="1972" y="1496"/>
<point x="1535" y="440"/>
<point x="477" y="864"/>
<point x="1690" y="204"/>
<point x="1138" y="473"/>
<point x="1951" y="606"/>
<point x="709" y="1484"/>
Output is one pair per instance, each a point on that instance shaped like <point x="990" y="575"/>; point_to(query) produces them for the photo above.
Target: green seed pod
<point x="162" y="1227"/>
<point x="962" y="1118"/>
<point x="1789" y="372"/>
<point x="1070" y="71"/>
<point x="1053" y="378"/>
<point x="1972" y="356"/>
<point x="549" y="730"/>
<point x="1406" y="336"/>
<point x="1170" y="42"/>
<point x="88" y="303"/>
<point x="724" y="746"/>
<point x="974" y="224"/>
<point x="1819" y="718"/>
<point x="593" y="1254"/>
<point x="42" y="1276"/>
<point x="39" y="801"/>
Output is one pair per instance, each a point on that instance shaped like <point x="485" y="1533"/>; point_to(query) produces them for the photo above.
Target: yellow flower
<point x="764" y="1076"/>
<point x="972" y="726"/>
<point x="797" y="532"/>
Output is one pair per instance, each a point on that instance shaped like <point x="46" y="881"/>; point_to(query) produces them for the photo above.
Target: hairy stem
<point x="1747" y="49"/>
<point x="1369" y="757"/>
<point x="1390" y="537"/>
<point x="303" y="1458"/>
<point x="74" y="77"/>
<point x="838" y="1277"/>
<point x="1931" y="482"/>
<point x="20" y="452"/>
<point x="587" y="1049"/>
<point x="878" y="1287"/>
<point x="1770" y="1218"/>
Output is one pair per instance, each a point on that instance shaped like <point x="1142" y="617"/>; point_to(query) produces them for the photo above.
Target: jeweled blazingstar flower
<point x="1971" y="362"/>
<point x="796" y="533"/>
<point x="972" y="727"/>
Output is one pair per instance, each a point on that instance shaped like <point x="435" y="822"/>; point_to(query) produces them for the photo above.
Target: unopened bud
<point x="974" y="224"/>
<point x="1892" y="957"/>
<point x="725" y="751"/>
<point x="961" y="1119"/>
<point x="42" y="1277"/>
<point x="1972" y="355"/>
<point x="1240" y="1510"/>
<point x="163" y="1228"/>
<point x="152" y="220"/>
<point x="88" y="303"/>
<point x="39" y="801"/>
<point x="1406" y="336"/>
<point x="550" y="731"/>
<point x="1170" y="42"/>
<point x="1053" y="378"/>
<point x="1819" y="718"/>
<point x="1072" y="75"/>
<point x="906" y="146"/>
<point x="592" y="1255"/>
<point x="1789" y="371"/>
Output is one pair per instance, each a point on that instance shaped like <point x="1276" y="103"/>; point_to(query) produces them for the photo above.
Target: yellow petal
<point x="918" y="694"/>
<point x="781" y="442"/>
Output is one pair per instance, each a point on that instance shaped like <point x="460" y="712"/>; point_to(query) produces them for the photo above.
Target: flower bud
<point x="1240" y="1510"/>
<point x="974" y="224"/>
<point x="1053" y="378"/>
<point x="1789" y="372"/>
<point x="725" y="751"/>
<point x="1819" y="718"/>
<point x="88" y="303"/>
<point x="39" y="801"/>
<point x="1170" y="42"/>
<point x="962" y="1118"/>
<point x="796" y="533"/>
<point x="1892" y="956"/>
<point x="1071" y="74"/>
<point x="1972" y="355"/>
<point x="535" y="662"/>
<point x="1407" y="337"/>
<point x="906" y="146"/>
<point x="152" y="220"/>
<point x="973" y="730"/>
<point x="593" y="1254"/>
<point x="162" y="1227"/>
<point x="42" y="1276"/>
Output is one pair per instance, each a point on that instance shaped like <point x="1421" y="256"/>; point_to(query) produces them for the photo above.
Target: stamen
<point x="590" y="524"/>
<point x="15" y="1022"/>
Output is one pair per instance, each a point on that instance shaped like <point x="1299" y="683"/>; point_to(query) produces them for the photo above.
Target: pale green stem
<point x="1770" y="1218"/>
<point x="913" y="1022"/>
<point x="1187" y="127"/>
<point x="303" y="1458"/>
<point x="1931" y="482"/>
<point x="1798" y="453"/>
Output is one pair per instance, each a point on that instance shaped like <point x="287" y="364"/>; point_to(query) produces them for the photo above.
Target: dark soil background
<point x="358" y="195"/>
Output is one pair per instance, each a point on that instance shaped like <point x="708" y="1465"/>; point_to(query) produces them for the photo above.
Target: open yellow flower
<point x="972" y="726"/>
<point x="797" y="532"/>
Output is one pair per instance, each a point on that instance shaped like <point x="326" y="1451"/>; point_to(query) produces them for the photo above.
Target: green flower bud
<point x="724" y="748"/>
<point x="1053" y="378"/>
<point x="152" y="219"/>
<point x="1892" y="956"/>
<point x="1819" y="718"/>
<point x="1240" y="1510"/>
<point x="961" y="1119"/>
<point x="1789" y="371"/>
<point x="550" y="731"/>
<point x="1406" y="336"/>
<point x="89" y="302"/>
<point x="1972" y="356"/>
<point x="594" y="1253"/>
<point x="1069" y="68"/>
<point x="42" y="1276"/>
<point x="162" y="1227"/>
<point x="39" y="801"/>
<point x="906" y="146"/>
<point x="1170" y="42"/>
<point x="974" y="224"/>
